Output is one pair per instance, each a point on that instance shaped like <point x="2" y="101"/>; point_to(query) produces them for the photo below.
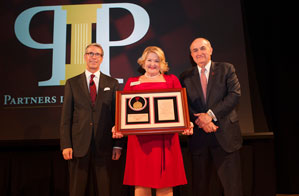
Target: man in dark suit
<point x="86" y="123"/>
<point x="213" y="92"/>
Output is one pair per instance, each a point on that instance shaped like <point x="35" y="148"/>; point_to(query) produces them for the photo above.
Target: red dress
<point x="154" y="160"/>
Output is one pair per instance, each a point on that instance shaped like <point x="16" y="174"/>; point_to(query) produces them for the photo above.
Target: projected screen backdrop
<point x="43" y="45"/>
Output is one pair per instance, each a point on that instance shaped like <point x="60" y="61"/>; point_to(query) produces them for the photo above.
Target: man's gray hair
<point x="96" y="45"/>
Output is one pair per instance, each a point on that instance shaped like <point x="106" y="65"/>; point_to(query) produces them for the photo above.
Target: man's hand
<point x="202" y="119"/>
<point x="67" y="153"/>
<point x="210" y="127"/>
<point x="116" y="153"/>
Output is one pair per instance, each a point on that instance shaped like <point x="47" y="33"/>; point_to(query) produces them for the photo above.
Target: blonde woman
<point x="154" y="161"/>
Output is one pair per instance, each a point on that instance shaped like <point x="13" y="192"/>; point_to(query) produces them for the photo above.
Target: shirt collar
<point x="88" y="73"/>
<point x="207" y="66"/>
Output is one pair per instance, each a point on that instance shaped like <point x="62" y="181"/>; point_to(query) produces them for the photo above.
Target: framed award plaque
<point x="151" y="111"/>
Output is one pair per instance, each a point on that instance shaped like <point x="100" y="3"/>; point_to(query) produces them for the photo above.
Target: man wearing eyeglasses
<point x="86" y="122"/>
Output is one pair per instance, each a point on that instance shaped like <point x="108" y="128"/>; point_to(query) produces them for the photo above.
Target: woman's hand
<point x="189" y="131"/>
<point x="115" y="134"/>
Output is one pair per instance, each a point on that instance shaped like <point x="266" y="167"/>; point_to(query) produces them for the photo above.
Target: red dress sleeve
<point x="172" y="81"/>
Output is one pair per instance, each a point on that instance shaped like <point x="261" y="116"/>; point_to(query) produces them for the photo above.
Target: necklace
<point x="151" y="77"/>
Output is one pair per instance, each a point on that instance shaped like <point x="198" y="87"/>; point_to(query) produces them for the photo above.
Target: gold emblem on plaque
<point x="137" y="104"/>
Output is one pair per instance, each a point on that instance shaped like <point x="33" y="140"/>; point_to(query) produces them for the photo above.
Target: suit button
<point x="90" y="124"/>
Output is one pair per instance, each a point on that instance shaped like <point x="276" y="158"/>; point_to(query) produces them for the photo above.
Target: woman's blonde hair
<point x="158" y="51"/>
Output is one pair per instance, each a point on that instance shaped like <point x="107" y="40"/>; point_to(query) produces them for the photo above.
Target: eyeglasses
<point x="91" y="54"/>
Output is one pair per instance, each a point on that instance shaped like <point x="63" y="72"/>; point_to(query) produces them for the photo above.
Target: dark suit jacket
<point x="223" y="94"/>
<point x="80" y="119"/>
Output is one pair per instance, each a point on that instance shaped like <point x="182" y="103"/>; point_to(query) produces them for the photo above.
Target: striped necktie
<point x="92" y="89"/>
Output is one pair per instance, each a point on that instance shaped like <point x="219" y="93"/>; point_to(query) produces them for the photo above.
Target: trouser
<point x="89" y="175"/>
<point x="227" y="165"/>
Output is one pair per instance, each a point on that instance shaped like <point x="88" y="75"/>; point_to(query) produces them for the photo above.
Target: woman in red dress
<point x="154" y="161"/>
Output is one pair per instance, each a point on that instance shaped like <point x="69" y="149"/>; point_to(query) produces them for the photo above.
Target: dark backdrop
<point x="173" y="26"/>
<point x="272" y="64"/>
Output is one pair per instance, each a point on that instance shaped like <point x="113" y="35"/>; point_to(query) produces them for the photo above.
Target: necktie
<point x="204" y="82"/>
<point x="92" y="89"/>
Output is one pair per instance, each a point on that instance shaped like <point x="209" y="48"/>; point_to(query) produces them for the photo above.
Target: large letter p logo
<point x="81" y="18"/>
<point x="59" y="40"/>
<point x="141" y="25"/>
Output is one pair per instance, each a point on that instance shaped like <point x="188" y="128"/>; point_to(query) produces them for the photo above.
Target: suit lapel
<point x="211" y="79"/>
<point x="83" y="85"/>
<point x="197" y="84"/>
<point x="102" y="84"/>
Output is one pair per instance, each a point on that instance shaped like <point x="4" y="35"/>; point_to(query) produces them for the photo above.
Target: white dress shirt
<point x="96" y="78"/>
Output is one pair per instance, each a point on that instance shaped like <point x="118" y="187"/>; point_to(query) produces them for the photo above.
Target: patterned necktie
<point x="92" y="89"/>
<point x="204" y="82"/>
